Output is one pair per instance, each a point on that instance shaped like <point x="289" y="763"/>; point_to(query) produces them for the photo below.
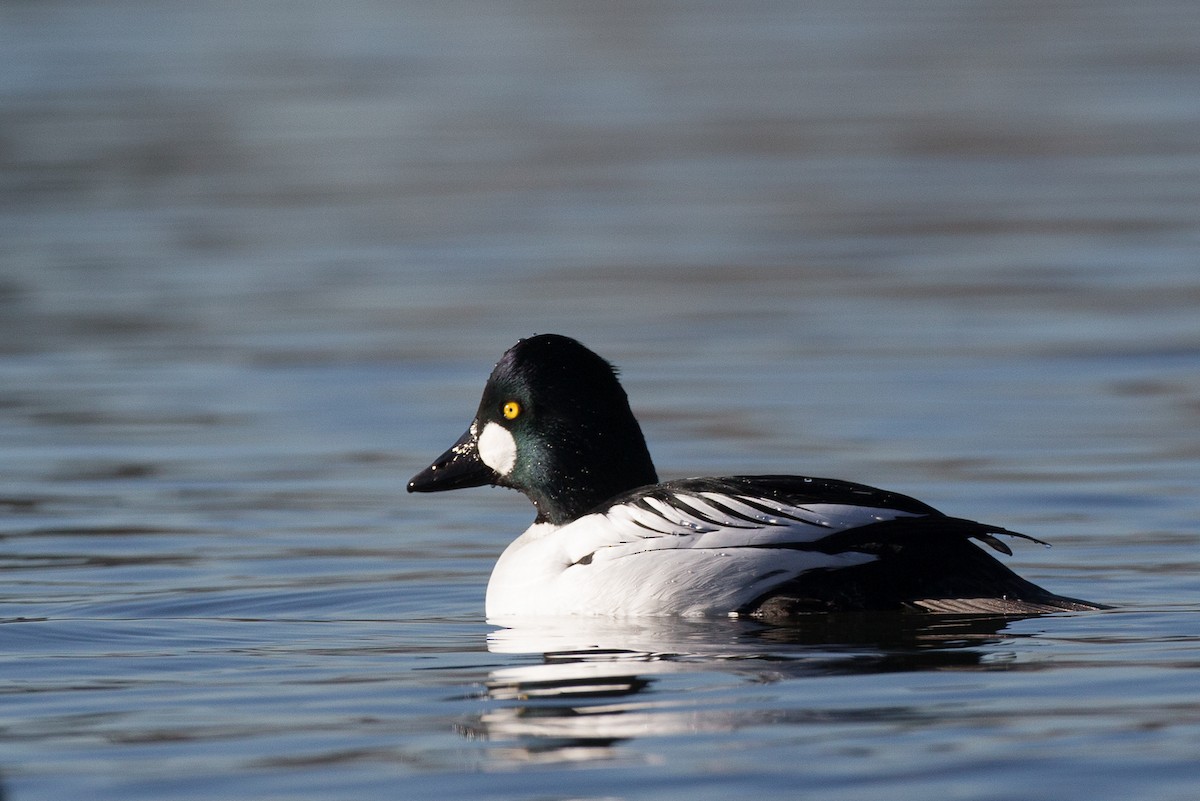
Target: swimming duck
<point x="610" y="539"/>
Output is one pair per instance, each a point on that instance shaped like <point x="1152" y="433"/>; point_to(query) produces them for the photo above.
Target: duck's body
<point x="682" y="548"/>
<point x="610" y="540"/>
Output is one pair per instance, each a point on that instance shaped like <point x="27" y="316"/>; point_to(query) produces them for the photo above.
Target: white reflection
<point x="600" y="682"/>
<point x="621" y="638"/>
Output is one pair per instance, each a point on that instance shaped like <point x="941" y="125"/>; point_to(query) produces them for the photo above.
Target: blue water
<point x="257" y="259"/>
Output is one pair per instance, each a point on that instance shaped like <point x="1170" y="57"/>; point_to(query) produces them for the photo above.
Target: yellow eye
<point x="511" y="410"/>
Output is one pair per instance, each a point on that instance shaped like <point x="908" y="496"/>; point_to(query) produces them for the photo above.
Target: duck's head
<point x="553" y="423"/>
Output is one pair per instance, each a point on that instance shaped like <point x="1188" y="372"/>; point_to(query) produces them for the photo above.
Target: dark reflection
<point x="892" y="641"/>
<point x="595" y="683"/>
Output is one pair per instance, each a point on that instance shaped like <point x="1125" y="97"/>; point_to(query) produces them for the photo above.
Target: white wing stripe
<point x="640" y="518"/>
<point x="712" y="514"/>
<point x="740" y="508"/>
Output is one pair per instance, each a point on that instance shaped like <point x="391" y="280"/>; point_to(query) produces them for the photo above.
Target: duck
<point x="610" y="539"/>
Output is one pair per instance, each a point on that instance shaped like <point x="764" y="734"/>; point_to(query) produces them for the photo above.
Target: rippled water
<point x="256" y="260"/>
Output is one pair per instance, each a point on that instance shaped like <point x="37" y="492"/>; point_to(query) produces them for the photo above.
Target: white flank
<point x="631" y="561"/>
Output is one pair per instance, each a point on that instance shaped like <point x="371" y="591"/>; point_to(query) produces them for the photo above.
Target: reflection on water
<point x="594" y="686"/>
<point x="734" y="637"/>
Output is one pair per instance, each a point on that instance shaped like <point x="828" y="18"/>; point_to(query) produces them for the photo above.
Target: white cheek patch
<point x="497" y="448"/>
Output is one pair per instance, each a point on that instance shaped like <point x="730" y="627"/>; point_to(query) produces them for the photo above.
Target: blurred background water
<point x="257" y="259"/>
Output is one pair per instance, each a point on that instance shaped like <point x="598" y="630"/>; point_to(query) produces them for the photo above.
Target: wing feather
<point x="710" y="520"/>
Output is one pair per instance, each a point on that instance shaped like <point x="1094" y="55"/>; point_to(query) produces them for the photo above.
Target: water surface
<point x="256" y="260"/>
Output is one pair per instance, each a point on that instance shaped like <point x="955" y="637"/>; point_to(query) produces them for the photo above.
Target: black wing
<point x="790" y="490"/>
<point x="923" y="563"/>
